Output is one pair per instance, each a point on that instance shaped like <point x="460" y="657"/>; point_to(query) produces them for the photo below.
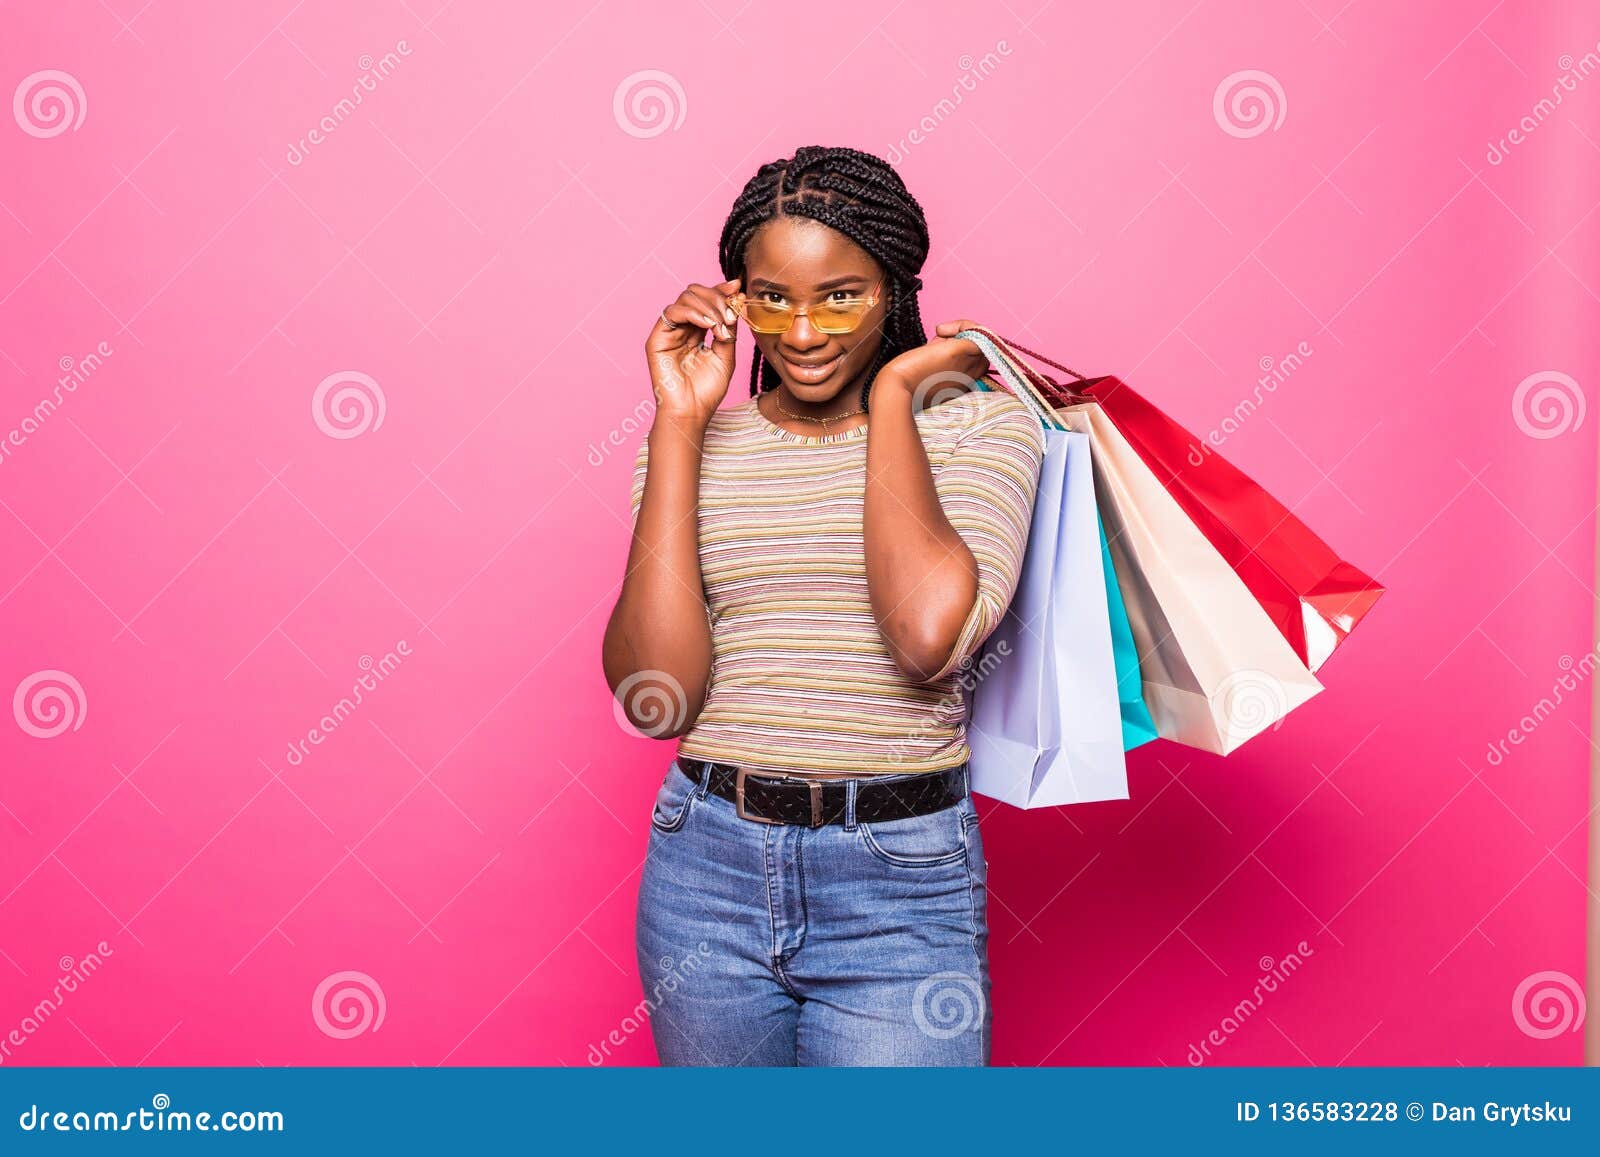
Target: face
<point x="805" y="263"/>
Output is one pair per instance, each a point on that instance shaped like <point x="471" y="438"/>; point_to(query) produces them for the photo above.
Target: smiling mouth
<point x="810" y="373"/>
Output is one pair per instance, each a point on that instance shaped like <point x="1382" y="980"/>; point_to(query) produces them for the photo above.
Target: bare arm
<point x="657" y="647"/>
<point x="941" y="569"/>
<point x="921" y="577"/>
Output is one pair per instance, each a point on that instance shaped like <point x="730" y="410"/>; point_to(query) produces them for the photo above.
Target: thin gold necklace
<point x="777" y="401"/>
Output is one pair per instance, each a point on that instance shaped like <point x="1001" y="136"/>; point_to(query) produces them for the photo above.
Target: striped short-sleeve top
<point x="801" y="678"/>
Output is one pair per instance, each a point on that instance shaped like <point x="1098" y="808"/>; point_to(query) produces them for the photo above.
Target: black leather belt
<point x="776" y="798"/>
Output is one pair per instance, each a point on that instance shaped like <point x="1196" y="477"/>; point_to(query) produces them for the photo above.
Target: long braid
<point x="858" y="195"/>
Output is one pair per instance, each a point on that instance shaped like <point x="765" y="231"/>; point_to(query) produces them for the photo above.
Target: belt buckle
<point x="739" y="803"/>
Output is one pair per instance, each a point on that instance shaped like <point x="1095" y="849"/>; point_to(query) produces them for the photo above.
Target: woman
<point x="809" y="572"/>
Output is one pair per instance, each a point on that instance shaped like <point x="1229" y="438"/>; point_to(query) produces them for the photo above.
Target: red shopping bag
<point x="1314" y="597"/>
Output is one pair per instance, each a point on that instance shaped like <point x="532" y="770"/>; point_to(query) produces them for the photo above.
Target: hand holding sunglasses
<point x="689" y="377"/>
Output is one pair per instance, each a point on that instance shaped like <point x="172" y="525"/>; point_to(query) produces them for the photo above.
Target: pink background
<point x="485" y="238"/>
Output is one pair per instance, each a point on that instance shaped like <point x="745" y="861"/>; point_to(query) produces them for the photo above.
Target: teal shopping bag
<point x="1137" y="726"/>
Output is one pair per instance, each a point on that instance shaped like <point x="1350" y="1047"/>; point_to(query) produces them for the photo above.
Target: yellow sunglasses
<point x="830" y="317"/>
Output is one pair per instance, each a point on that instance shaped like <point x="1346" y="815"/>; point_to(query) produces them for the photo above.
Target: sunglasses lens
<point x="764" y="317"/>
<point x="839" y="317"/>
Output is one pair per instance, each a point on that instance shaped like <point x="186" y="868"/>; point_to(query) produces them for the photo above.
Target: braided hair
<point x="858" y="195"/>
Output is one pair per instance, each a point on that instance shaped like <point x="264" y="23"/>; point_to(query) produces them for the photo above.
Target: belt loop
<point x="850" y="786"/>
<point x="966" y="778"/>
<point x="707" y="770"/>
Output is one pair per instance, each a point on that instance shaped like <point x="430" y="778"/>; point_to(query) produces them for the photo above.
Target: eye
<point x="840" y="296"/>
<point x="771" y="297"/>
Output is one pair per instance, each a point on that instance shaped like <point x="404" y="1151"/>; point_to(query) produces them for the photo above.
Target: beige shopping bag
<point x="1216" y="670"/>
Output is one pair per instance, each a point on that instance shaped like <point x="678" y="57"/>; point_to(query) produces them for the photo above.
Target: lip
<point x="811" y="373"/>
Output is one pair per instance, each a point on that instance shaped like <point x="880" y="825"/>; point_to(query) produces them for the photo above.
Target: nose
<point x="803" y="337"/>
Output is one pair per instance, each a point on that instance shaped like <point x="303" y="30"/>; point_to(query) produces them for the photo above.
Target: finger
<point x="681" y="316"/>
<point x="694" y="310"/>
<point x="951" y="328"/>
<point x="715" y="301"/>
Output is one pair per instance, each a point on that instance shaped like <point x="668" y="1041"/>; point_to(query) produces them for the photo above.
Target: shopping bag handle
<point x="1042" y="383"/>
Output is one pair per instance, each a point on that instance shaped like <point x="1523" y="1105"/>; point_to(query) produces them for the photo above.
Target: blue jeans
<point x="846" y="944"/>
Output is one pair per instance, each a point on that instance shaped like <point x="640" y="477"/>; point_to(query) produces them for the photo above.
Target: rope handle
<point x="1053" y="391"/>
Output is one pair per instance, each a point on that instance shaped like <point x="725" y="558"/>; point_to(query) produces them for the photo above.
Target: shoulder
<point x="988" y="416"/>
